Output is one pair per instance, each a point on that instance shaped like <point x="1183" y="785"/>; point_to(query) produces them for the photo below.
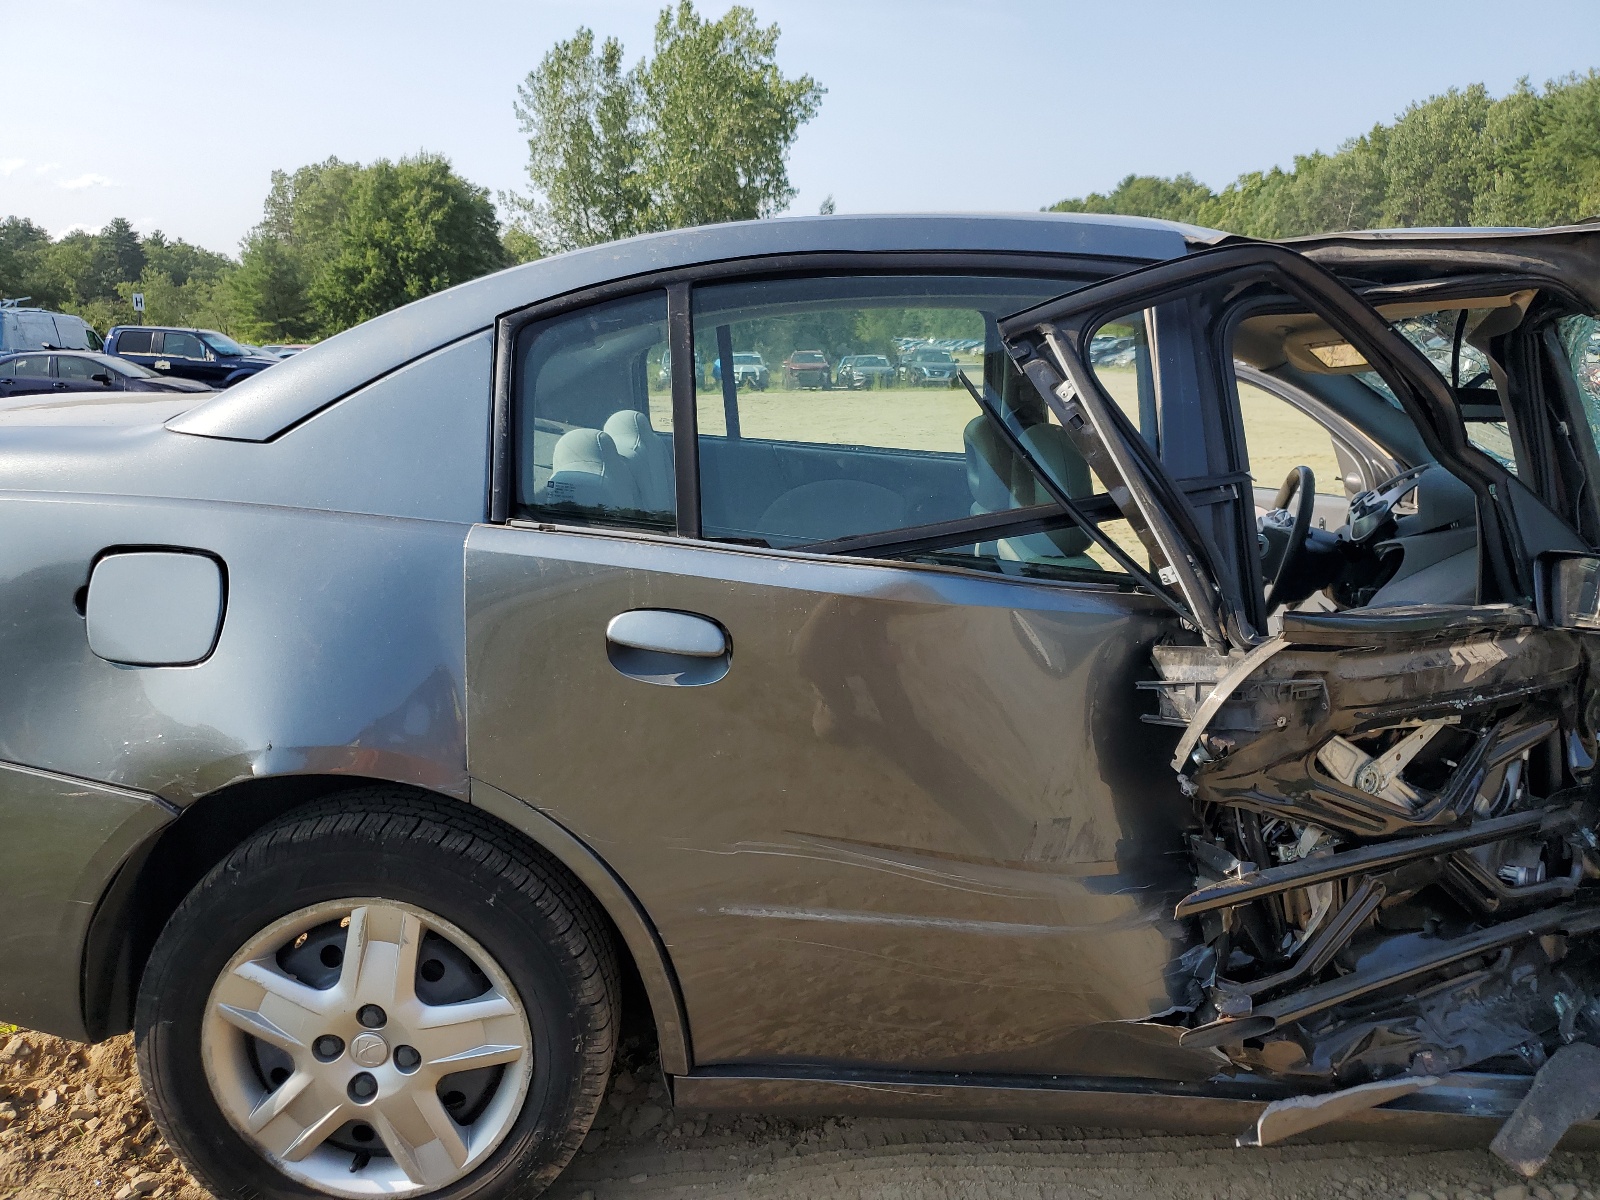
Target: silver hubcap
<point x="367" y="1047"/>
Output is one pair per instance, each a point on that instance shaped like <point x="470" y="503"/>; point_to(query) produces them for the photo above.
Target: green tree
<point x="305" y="210"/>
<point x="269" y="292"/>
<point x="720" y="118"/>
<point x="1437" y="160"/>
<point x="182" y="262"/>
<point x="116" y="256"/>
<point x="22" y="268"/>
<point x="697" y="133"/>
<point x="1557" y="160"/>
<point x="410" y="229"/>
<point x="1178" y="199"/>
<point x="1528" y="158"/>
<point x="581" y="110"/>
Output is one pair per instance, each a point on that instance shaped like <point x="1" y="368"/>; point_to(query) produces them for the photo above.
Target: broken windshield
<point x="1446" y="340"/>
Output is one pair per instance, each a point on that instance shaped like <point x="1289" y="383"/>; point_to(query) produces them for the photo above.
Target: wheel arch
<point x="153" y="881"/>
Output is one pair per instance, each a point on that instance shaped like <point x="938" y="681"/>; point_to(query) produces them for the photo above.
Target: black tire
<point x="527" y="912"/>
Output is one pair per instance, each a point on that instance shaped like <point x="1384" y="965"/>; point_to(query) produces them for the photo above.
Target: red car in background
<point x="807" y="369"/>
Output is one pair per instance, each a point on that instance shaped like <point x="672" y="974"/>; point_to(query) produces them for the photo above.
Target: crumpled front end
<point x="1398" y="858"/>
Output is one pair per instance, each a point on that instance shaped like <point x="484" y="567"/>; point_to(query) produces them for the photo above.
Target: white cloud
<point x="45" y="168"/>
<point x="85" y="181"/>
<point x="8" y="165"/>
<point x="58" y="234"/>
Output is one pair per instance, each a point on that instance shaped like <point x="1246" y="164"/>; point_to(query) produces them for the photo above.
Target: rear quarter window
<point x="133" y="341"/>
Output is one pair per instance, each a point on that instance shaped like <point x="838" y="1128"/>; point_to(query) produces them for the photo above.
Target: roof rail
<point x="17" y="303"/>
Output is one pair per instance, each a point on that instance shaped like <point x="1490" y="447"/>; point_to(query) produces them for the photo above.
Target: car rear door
<point x="185" y="357"/>
<point x="833" y="685"/>
<point x="138" y="346"/>
<point x="26" y="375"/>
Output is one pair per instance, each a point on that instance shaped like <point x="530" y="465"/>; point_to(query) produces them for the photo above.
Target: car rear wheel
<point x="380" y="996"/>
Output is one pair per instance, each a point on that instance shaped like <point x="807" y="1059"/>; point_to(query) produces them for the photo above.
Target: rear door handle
<point x="662" y="646"/>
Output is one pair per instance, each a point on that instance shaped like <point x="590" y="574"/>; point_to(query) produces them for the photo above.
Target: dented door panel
<point x="917" y="822"/>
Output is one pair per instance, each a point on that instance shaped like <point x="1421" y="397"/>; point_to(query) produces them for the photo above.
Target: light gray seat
<point x="586" y="470"/>
<point x="648" y="456"/>
<point x="999" y="480"/>
<point x="831" y="508"/>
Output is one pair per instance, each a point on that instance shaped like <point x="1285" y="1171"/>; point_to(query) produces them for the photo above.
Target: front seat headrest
<point x="648" y="456"/>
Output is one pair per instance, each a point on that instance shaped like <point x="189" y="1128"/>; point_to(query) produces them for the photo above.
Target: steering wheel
<point x="1300" y="486"/>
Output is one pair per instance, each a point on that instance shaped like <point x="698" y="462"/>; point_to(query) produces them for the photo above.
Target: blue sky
<point x="174" y="112"/>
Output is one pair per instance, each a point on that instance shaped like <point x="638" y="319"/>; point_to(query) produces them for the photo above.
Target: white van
<point x="38" y="329"/>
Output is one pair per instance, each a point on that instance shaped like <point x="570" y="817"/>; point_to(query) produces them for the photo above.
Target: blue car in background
<point x="204" y="355"/>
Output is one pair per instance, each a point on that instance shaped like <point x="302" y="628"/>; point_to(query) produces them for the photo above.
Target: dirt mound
<point x="73" y="1124"/>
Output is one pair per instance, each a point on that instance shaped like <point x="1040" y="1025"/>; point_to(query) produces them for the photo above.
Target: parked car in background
<point x="857" y="371"/>
<point x="1112" y="350"/>
<point x="34" y="372"/>
<point x="930" y="365"/>
<point x="39" y="329"/>
<point x="664" y="371"/>
<point x="749" y="370"/>
<point x="203" y="355"/>
<point x="807" y="369"/>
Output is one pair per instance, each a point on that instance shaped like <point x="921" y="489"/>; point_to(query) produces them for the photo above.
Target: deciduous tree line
<point x="1531" y="157"/>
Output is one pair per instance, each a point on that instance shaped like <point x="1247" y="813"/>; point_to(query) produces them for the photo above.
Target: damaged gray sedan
<point x="1201" y="735"/>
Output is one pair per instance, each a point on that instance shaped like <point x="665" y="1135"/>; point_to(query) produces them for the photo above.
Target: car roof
<point x="50" y="350"/>
<point x="260" y="408"/>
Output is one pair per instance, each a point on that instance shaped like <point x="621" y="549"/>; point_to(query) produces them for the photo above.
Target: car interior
<point x="1412" y="537"/>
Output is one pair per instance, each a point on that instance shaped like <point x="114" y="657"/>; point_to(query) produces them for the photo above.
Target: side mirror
<point x="101" y="377"/>
<point x="1568" y="590"/>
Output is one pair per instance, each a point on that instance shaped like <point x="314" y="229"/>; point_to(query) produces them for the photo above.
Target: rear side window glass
<point x="858" y="421"/>
<point x="1580" y="339"/>
<point x="593" y="416"/>
<point x="28" y="366"/>
<point x="182" y="345"/>
<point x="38" y="329"/>
<point x="134" y="341"/>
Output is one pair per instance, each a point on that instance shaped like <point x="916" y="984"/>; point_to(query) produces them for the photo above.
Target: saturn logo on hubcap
<point x="369" y="1049"/>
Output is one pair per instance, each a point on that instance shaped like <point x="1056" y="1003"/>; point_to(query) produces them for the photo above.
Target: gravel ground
<point x="73" y="1126"/>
